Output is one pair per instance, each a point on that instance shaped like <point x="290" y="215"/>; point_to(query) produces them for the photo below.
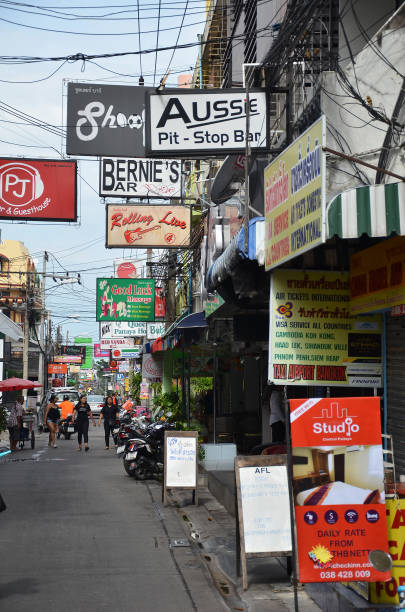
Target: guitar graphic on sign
<point x="132" y="236"/>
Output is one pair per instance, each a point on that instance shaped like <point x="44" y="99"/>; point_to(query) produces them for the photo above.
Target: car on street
<point x="96" y="402"/>
<point x="60" y="392"/>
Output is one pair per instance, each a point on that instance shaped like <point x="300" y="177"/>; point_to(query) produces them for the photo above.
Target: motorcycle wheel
<point x="127" y="468"/>
<point x="140" y="470"/>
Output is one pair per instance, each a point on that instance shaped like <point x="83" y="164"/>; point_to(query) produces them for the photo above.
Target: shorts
<point x="14" y="433"/>
<point x="53" y="422"/>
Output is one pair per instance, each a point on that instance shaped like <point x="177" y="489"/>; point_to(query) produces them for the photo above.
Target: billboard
<point x="99" y="353"/>
<point x="132" y="352"/>
<point x="194" y="123"/>
<point x="105" y="119"/>
<point x="338" y="487"/>
<point x="138" y="226"/>
<point x="124" y="299"/>
<point x="313" y="338"/>
<point x="67" y="359"/>
<point x="38" y="189"/>
<point x="110" y="343"/>
<point x="139" y="178"/>
<point x="57" y="368"/>
<point x="294" y="198"/>
<point x="123" y="329"/>
<point x="77" y="350"/>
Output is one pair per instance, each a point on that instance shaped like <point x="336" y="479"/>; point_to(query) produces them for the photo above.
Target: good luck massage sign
<point x="125" y="299"/>
<point x="134" y="226"/>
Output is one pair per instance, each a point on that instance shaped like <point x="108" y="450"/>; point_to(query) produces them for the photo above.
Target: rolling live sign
<point x="140" y="178"/>
<point x="313" y="337"/>
<point x="195" y="122"/>
<point x="140" y="226"/>
<point x="338" y="486"/>
<point x="295" y="198"/>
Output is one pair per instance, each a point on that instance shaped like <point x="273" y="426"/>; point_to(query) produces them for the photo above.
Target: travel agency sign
<point x="295" y="198"/>
<point x="125" y="299"/>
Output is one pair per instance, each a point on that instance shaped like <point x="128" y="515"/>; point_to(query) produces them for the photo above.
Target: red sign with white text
<point x="338" y="485"/>
<point x="159" y="303"/>
<point x="38" y="190"/>
<point x="57" y="368"/>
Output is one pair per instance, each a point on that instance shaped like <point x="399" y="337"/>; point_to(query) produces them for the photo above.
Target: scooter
<point x="66" y="427"/>
<point x="143" y="458"/>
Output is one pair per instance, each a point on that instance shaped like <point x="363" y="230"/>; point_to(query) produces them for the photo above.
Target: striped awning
<point x="375" y="210"/>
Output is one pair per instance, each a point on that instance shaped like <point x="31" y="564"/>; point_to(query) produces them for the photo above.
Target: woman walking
<point x="81" y="413"/>
<point x="110" y="414"/>
<point x="51" y="419"/>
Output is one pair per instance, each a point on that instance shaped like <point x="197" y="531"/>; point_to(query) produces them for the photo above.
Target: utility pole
<point x="41" y="365"/>
<point x="247" y="152"/>
<point x="26" y="338"/>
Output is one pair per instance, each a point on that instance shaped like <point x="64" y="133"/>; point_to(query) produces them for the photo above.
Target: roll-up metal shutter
<point x="396" y="388"/>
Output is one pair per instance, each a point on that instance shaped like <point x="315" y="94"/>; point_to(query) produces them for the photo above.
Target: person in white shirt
<point x="277" y="414"/>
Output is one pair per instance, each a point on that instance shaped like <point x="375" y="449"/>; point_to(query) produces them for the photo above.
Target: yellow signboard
<point x="313" y="338"/>
<point x="295" y="198"/>
<point x="387" y="592"/>
<point x="377" y="276"/>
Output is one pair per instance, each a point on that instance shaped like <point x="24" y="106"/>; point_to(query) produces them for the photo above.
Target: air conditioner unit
<point x="354" y="448"/>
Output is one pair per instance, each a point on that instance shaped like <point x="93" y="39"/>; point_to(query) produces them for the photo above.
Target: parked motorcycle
<point x="66" y="427"/>
<point x="144" y="458"/>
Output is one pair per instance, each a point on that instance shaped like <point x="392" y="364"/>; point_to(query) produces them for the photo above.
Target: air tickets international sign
<point x="338" y="487"/>
<point x="125" y="299"/>
<point x="295" y="198"/>
<point x="314" y="339"/>
<point x="142" y="227"/>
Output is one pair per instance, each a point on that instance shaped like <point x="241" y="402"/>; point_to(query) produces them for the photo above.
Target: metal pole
<point x="247" y="151"/>
<point x="26" y="338"/>
<point x="199" y="36"/>
<point x="385" y="378"/>
<point x="41" y="365"/>
<point x="290" y="480"/>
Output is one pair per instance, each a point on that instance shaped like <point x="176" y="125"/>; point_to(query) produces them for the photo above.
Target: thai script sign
<point x="377" y="276"/>
<point x="313" y="337"/>
<point x="198" y="122"/>
<point x="125" y="299"/>
<point x="140" y="227"/>
<point x="295" y="198"/>
<point x="38" y="190"/>
<point x="338" y="487"/>
<point x="140" y="178"/>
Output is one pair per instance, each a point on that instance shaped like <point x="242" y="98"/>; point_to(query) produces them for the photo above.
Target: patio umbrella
<point x="16" y="384"/>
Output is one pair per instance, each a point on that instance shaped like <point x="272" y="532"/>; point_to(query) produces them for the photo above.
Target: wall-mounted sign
<point x="140" y="178"/>
<point x="38" y="189"/>
<point x="67" y="359"/>
<point x="338" y="487"/>
<point x="200" y="122"/>
<point x="121" y="299"/>
<point x="123" y="329"/>
<point x="377" y="276"/>
<point x="133" y="352"/>
<point x="110" y="343"/>
<point x="155" y="330"/>
<point x="314" y="340"/>
<point x="294" y="185"/>
<point x="138" y="226"/>
<point x="99" y="353"/>
<point x="57" y="368"/>
<point x="105" y="119"/>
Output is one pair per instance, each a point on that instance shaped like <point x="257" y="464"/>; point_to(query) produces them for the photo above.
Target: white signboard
<point x="181" y="461"/>
<point x="195" y="122"/>
<point x="123" y="329"/>
<point x="1" y="349"/>
<point x="123" y="366"/>
<point x="132" y="352"/>
<point x="155" y="330"/>
<point x="111" y="343"/>
<point x="139" y="178"/>
<point x="265" y="508"/>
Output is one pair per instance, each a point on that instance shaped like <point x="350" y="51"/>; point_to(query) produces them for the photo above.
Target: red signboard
<point x="338" y="485"/>
<point x="38" y="190"/>
<point x="159" y="303"/>
<point x="99" y="352"/>
<point x="57" y="368"/>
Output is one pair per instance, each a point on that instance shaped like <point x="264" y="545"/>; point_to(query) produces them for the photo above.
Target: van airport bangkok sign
<point x="197" y="122"/>
<point x="140" y="178"/>
<point x="137" y="226"/>
<point x="294" y="185"/>
<point x="314" y="339"/>
<point x="125" y="299"/>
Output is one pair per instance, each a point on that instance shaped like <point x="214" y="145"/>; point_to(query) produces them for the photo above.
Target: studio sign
<point x="139" y="178"/>
<point x="198" y="121"/>
<point x="147" y="226"/>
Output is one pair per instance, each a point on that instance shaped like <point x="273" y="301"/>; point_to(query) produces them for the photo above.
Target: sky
<point x="61" y="28"/>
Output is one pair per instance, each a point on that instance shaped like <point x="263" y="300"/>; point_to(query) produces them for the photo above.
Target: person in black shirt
<point x="109" y="413"/>
<point x="51" y="418"/>
<point x="81" y="413"/>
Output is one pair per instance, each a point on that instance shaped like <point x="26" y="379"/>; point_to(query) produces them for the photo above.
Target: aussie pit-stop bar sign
<point x="122" y="177"/>
<point x="105" y="119"/>
<point x="198" y="122"/>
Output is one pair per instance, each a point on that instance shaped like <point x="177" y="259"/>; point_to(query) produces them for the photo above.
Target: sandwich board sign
<point x="180" y="462"/>
<point x="263" y="508"/>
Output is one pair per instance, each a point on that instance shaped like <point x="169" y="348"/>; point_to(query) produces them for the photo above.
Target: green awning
<point x="375" y="210"/>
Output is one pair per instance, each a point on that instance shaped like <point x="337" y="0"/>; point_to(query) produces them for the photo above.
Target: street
<point x="79" y="534"/>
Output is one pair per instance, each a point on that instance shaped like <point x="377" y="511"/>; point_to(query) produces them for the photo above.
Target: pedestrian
<point x="110" y="414"/>
<point x="66" y="407"/>
<point x="277" y="415"/>
<point x="51" y="419"/>
<point x="14" y="422"/>
<point x="82" y="412"/>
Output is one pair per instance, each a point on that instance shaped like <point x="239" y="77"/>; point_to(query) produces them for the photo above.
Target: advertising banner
<point x="377" y="276"/>
<point x="67" y="359"/>
<point x="100" y="353"/>
<point x="314" y="339"/>
<point x="155" y="330"/>
<point x="57" y="368"/>
<point x="137" y="226"/>
<point x="121" y="299"/>
<point x="123" y="329"/>
<point x="197" y="122"/>
<point x="110" y="343"/>
<point x="338" y="486"/>
<point x="140" y="178"/>
<point x="160" y="303"/>
<point x="105" y="119"/>
<point x="77" y="350"/>
<point x="294" y="198"/>
<point x="38" y="189"/>
<point x="133" y="352"/>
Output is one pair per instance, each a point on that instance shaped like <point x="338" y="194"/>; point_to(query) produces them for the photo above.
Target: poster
<point x="313" y="337"/>
<point x="338" y="486"/>
<point x="294" y="193"/>
<point x="122" y="299"/>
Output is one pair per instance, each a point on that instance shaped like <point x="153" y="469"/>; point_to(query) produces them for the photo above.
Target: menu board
<point x="181" y="459"/>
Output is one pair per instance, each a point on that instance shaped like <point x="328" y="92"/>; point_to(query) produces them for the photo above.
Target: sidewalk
<point x="213" y="528"/>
